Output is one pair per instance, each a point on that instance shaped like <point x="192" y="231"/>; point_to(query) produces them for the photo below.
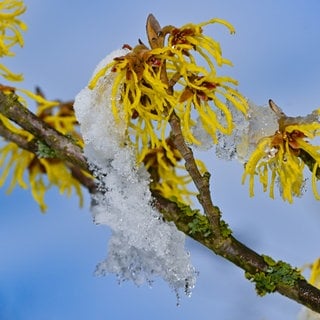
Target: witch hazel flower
<point x="152" y="83"/>
<point x="11" y="28"/>
<point x="274" y="149"/>
<point x="281" y="157"/>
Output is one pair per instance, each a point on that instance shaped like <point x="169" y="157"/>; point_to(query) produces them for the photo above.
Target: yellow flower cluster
<point x="202" y="89"/>
<point x="11" y="29"/>
<point x="155" y="83"/>
<point x="42" y="172"/>
<point x="276" y="159"/>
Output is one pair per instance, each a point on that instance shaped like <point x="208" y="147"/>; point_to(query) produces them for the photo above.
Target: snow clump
<point x="142" y="246"/>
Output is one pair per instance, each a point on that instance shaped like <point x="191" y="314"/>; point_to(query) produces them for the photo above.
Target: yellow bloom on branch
<point x="278" y="159"/>
<point x="201" y="88"/>
<point x="190" y="37"/>
<point x="150" y="84"/>
<point x="11" y="28"/>
<point x="43" y="173"/>
<point x="144" y="99"/>
<point x="41" y="170"/>
<point x="153" y="83"/>
<point x="207" y="95"/>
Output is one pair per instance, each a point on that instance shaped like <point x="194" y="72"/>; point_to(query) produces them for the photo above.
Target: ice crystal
<point x="248" y="130"/>
<point x="202" y="136"/>
<point x="143" y="246"/>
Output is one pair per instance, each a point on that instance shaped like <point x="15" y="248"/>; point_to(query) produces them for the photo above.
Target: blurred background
<point x="48" y="260"/>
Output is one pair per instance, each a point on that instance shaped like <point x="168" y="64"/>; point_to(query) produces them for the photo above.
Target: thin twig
<point x="85" y="180"/>
<point x="201" y="181"/>
<point x="33" y="147"/>
<point x="18" y="139"/>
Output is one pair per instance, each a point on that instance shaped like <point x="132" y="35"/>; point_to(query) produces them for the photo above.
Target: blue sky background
<point x="47" y="261"/>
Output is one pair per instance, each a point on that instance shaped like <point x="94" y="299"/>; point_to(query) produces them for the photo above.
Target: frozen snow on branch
<point x="260" y="122"/>
<point x="142" y="246"/>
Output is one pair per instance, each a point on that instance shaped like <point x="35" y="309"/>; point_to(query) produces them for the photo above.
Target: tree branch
<point x="239" y="254"/>
<point x="33" y="147"/>
<point x="64" y="147"/>
<point x="87" y="182"/>
<point x="201" y="182"/>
